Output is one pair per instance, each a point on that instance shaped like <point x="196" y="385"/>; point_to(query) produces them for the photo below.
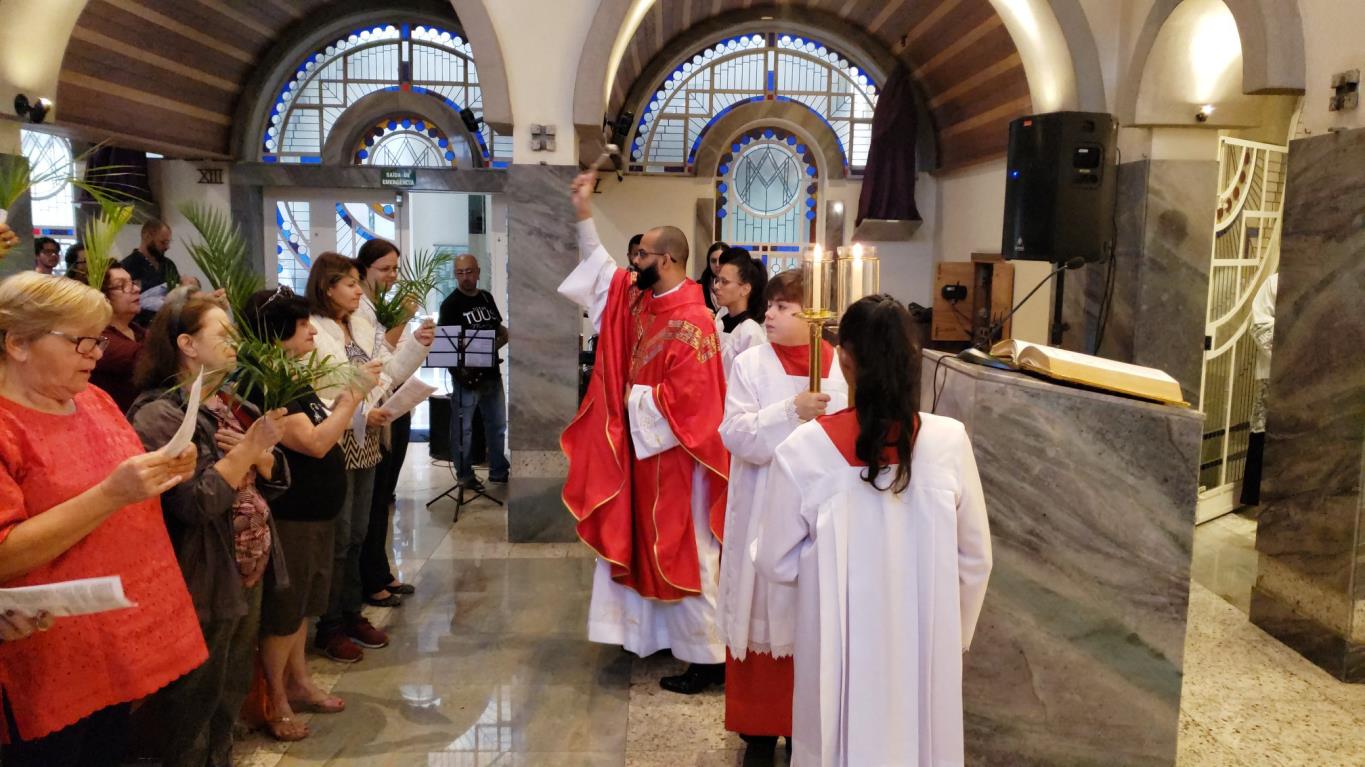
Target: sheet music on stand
<point x="457" y="346"/>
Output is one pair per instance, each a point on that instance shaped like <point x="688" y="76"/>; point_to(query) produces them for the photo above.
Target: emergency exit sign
<point x="398" y="177"/>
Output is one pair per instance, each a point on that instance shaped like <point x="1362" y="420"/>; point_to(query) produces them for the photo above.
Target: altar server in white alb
<point x="767" y="396"/>
<point x="877" y="514"/>
<point x="738" y="287"/>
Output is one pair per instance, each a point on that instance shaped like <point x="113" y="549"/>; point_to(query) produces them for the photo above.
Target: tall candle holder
<point x="859" y="274"/>
<point x="819" y="273"/>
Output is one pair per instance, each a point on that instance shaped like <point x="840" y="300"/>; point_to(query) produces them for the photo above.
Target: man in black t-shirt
<point x="480" y="388"/>
<point x="151" y="268"/>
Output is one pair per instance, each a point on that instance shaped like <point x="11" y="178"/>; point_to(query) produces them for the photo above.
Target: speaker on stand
<point x="1060" y="190"/>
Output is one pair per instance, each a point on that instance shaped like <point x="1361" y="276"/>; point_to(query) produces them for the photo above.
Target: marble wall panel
<point x="543" y="366"/>
<point x="1308" y="590"/>
<point x="1173" y="281"/>
<point x="1091" y="499"/>
<point x="1160" y="296"/>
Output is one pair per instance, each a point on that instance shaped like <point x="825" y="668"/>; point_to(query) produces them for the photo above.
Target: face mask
<point x="647" y="277"/>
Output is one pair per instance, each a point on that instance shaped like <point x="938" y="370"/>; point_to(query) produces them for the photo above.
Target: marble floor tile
<point x="489" y="666"/>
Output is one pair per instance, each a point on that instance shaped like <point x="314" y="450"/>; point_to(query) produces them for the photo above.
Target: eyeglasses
<point x="122" y="287"/>
<point x="83" y="344"/>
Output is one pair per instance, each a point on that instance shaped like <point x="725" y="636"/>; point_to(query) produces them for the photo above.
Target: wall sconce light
<point x="1202" y="115"/>
<point x="34" y="111"/>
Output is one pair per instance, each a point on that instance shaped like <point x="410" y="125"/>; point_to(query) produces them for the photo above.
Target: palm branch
<point x="393" y="308"/>
<point x="268" y="375"/>
<point x="421" y="274"/>
<point x="222" y="255"/>
<point x="100" y="233"/>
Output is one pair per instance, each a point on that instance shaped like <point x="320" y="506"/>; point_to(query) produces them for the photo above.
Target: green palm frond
<point x="100" y="234"/>
<point x="268" y="375"/>
<point x="422" y="272"/>
<point x="222" y="255"/>
<point x="393" y="308"/>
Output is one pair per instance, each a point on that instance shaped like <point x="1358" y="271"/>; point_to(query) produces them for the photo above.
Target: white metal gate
<point x="1246" y="251"/>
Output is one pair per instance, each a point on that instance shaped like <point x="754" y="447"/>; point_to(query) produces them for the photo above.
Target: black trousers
<point x="99" y="740"/>
<point x="375" y="572"/>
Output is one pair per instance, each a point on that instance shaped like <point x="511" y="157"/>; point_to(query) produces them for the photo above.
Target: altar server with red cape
<point x="647" y="469"/>
<point x="767" y="396"/>
<point x="876" y="513"/>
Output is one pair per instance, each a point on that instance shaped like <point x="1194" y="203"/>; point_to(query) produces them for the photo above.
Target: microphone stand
<point x="983" y="357"/>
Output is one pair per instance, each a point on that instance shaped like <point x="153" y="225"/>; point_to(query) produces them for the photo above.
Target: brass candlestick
<point x="821" y="295"/>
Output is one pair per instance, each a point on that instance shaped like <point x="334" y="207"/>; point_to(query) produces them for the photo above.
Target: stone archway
<point x="253" y="112"/>
<point x="1271" y="33"/>
<point x="351" y="127"/>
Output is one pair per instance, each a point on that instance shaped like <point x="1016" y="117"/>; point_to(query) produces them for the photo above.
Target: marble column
<point x="1310" y="582"/>
<point x="543" y="363"/>
<point x="1162" y="256"/>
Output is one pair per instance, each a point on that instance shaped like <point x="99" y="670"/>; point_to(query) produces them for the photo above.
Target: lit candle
<point x="817" y="293"/>
<point x="855" y="288"/>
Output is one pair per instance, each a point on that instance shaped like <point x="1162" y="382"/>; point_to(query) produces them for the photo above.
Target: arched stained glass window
<point x="418" y="59"/>
<point x="409" y="141"/>
<point x="767" y="195"/>
<point x="54" y="203"/>
<point x="746" y="69"/>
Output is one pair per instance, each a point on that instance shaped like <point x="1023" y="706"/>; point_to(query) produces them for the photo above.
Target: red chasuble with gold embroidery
<point x="637" y="513"/>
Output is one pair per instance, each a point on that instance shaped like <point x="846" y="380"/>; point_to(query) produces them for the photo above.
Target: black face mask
<point x="646" y="278"/>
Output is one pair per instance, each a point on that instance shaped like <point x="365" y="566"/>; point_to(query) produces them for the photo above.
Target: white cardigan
<point x="399" y="363"/>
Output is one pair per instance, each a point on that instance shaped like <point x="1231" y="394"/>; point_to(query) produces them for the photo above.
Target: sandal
<point x="286" y="729"/>
<point x="329" y="705"/>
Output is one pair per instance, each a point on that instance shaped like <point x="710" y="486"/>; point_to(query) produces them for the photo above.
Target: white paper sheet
<point x="80" y="597"/>
<point x="358" y="424"/>
<point x="4" y="216"/>
<point x="181" y="439"/>
<point x="411" y="394"/>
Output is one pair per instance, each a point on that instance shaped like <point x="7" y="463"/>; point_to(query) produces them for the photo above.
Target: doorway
<point x="302" y="222"/>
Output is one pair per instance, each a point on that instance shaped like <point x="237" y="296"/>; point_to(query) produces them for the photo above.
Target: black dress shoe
<point x="392" y="600"/>
<point x="402" y="589"/>
<point x="761" y="750"/>
<point x="699" y="677"/>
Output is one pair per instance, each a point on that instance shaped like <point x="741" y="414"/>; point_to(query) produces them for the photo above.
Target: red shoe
<point x="339" y="647"/>
<point x="364" y="634"/>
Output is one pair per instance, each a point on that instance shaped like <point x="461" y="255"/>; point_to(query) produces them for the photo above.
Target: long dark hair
<point x="159" y="363"/>
<point x="751" y="273"/>
<point x="877" y="332"/>
<point x="708" y="278"/>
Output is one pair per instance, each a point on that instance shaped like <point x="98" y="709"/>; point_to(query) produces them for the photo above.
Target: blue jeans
<point x="488" y="398"/>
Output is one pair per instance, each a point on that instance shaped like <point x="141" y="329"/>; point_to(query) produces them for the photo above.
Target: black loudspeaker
<point x="439" y="409"/>
<point x="441" y="448"/>
<point x="1060" y="187"/>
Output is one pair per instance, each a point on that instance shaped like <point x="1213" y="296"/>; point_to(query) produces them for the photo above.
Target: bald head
<point x="670" y="240"/>
<point x="467" y="273"/>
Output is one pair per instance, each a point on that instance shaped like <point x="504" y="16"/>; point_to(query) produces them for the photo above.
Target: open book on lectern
<point x="457" y="346"/>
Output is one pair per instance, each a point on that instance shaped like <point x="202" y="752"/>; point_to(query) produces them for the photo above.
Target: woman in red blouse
<point x="114" y="372"/>
<point x="79" y="498"/>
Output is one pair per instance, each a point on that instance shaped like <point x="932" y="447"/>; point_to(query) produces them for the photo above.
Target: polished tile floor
<point x="489" y="667"/>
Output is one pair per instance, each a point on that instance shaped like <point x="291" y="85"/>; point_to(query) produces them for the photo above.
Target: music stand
<point x="456" y="346"/>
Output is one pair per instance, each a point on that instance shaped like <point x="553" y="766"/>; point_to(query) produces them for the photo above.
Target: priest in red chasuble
<point x="647" y="468"/>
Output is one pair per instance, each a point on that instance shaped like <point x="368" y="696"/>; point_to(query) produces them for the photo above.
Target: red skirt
<point x="758" y="694"/>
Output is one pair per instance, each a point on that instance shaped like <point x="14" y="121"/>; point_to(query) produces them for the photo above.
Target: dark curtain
<point x="121" y="172"/>
<point x="889" y="181"/>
